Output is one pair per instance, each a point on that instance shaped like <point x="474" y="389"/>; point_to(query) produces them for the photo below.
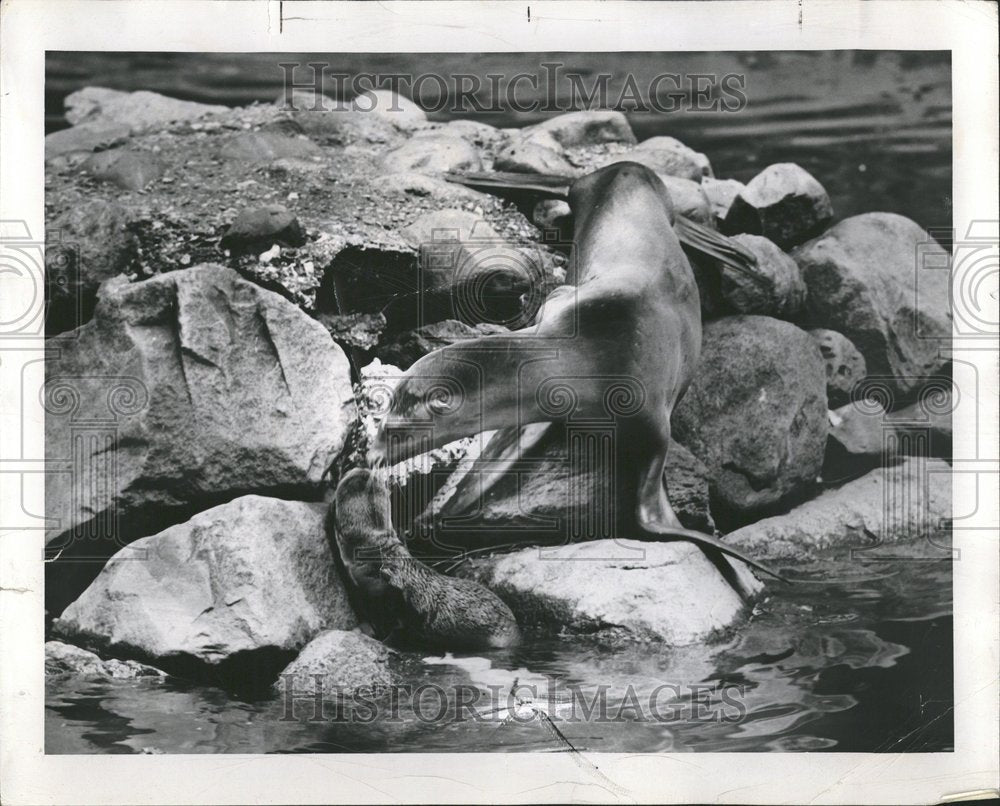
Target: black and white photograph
<point x="579" y="404"/>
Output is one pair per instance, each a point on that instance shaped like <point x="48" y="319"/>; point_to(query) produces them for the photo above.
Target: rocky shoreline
<point x="233" y="293"/>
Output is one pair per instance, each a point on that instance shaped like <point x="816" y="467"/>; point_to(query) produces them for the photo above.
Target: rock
<point x="925" y="427"/>
<point x="254" y="147"/>
<point x="525" y="156"/>
<point x="721" y="193"/>
<point x="585" y="128"/>
<point x="845" y="366"/>
<point x="433" y="155"/>
<point x="688" y="199"/>
<point x="258" y="228"/>
<point x="479" y="134"/>
<point x="854" y="516"/>
<point x="861" y="277"/>
<point x="482" y="277"/>
<point x="755" y="412"/>
<point x="208" y="386"/>
<point x="782" y="292"/>
<point x="129" y="170"/>
<point x="359" y="330"/>
<point x="141" y="111"/>
<point x="397" y="109"/>
<point x="85" y="138"/>
<point x="63" y="659"/>
<point x="348" y="662"/>
<point x="783" y="203"/>
<point x="855" y="440"/>
<point x="86" y="245"/>
<point x="240" y="587"/>
<point x="300" y="100"/>
<point x="406" y="348"/>
<point x="552" y="214"/>
<point x="669" y="156"/>
<point x="667" y="591"/>
<point x="563" y="493"/>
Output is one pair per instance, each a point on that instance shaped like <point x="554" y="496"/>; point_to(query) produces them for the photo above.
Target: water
<point x="857" y="656"/>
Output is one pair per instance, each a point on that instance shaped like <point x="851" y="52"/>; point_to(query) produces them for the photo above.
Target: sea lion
<point x="423" y="606"/>
<point x="627" y="339"/>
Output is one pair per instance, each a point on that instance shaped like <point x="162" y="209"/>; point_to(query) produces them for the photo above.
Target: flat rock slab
<point x="666" y="591"/>
<point x="906" y="502"/>
<point x="254" y="576"/>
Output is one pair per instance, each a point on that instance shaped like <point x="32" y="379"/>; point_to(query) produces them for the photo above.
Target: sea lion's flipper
<point x="505" y="448"/>
<point x="506" y="184"/>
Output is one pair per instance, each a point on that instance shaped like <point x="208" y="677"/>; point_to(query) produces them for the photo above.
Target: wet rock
<point x="141" y="111"/>
<point x="129" y="170"/>
<point x="563" y="493"/>
<point x="585" y="128"/>
<point x="552" y="214"/>
<point x="347" y="662"/>
<point x="755" y="412"/>
<point x="211" y="387"/>
<point x="67" y="659"/>
<point x="845" y="366"/>
<point x="669" y="156"/>
<point x="406" y="348"/>
<point x="854" y="516"/>
<point x="433" y="155"/>
<point x="86" y="245"/>
<point x="784" y="203"/>
<point x="525" y="156"/>
<point x="721" y="193"/>
<point x="85" y="138"/>
<point x="259" y="228"/>
<point x="393" y="107"/>
<point x="688" y="199"/>
<point x="776" y="290"/>
<point x="862" y="280"/>
<point x="358" y="330"/>
<point x="669" y="591"/>
<point x="255" y="147"/>
<point x="241" y="586"/>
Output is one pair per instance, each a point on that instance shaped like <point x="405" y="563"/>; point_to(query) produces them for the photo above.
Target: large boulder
<point x="589" y="127"/>
<point x="854" y="517"/>
<point x="845" y="366"/>
<point x="775" y="290"/>
<point x="397" y="109"/>
<point x="862" y="280"/>
<point x="141" y="111"/>
<point x="84" y="139"/>
<point x="755" y="412"/>
<point x="721" y="193"/>
<point x="199" y="386"/>
<point x="347" y="662"/>
<point x="526" y="156"/>
<point x="129" y="170"/>
<point x="254" y="147"/>
<point x="665" y="591"/>
<point x="86" y="245"/>
<point x="239" y="588"/>
<point x="783" y="203"/>
<point x="668" y="156"/>
<point x="688" y="199"/>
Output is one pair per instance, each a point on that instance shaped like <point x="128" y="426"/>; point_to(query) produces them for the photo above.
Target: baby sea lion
<point x="625" y="341"/>
<point x="429" y="608"/>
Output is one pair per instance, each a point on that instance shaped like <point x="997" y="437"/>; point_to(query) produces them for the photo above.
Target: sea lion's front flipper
<point x="505" y="448"/>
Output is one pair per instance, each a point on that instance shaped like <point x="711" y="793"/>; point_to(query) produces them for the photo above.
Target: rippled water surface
<point x="856" y="656"/>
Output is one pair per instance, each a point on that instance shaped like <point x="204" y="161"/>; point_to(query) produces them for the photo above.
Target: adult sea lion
<point x="625" y="340"/>
<point x="421" y="605"/>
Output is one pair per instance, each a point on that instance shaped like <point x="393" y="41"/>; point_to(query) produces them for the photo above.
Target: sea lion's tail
<point x="697" y="239"/>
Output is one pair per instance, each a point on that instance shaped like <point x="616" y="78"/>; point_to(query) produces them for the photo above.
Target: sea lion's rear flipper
<point x="506" y="447"/>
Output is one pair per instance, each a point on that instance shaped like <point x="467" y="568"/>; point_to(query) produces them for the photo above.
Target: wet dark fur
<point x="413" y="602"/>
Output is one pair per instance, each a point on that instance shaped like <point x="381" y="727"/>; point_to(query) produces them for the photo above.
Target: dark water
<point x="857" y="656"/>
